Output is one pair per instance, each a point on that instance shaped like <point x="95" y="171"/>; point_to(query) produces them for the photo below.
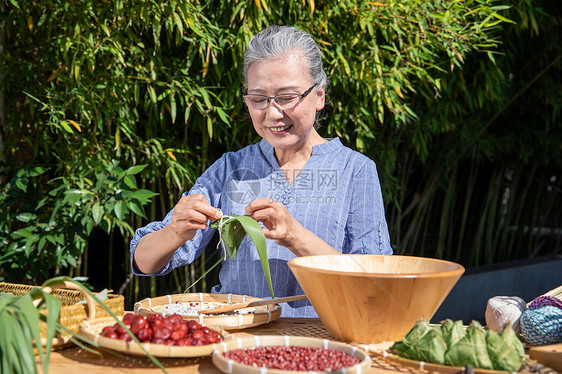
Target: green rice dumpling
<point x="470" y="350"/>
<point x="505" y="349"/>
<point x="422" y="343"/>
<point x="452" y="331"/>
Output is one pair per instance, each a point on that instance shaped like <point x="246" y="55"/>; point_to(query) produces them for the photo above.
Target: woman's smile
<point x="278" y="130"/>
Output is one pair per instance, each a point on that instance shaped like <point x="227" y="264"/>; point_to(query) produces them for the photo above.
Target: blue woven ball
<point x="542" y="325"/>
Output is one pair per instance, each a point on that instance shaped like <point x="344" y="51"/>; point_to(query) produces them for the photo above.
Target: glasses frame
<point x="274" y="98"/>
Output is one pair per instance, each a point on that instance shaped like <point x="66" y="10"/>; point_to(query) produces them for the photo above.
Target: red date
<point x="170" y="330"/>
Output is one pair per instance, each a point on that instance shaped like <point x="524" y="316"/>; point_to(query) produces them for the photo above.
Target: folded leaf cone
<point x="422" y="343"/>
<point x="471" y="350"/>
<point x="233" y="229"/>
<point x="452" y="331"/>
<point x="505" y="349"/>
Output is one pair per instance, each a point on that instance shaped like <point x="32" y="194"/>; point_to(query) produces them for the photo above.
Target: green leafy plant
<point x="39" y="236"/>
<point x="20" y="324"/>
<point x="20" y="317"/>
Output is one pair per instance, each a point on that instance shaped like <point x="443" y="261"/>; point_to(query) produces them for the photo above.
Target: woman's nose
<point x="273" y="110"/>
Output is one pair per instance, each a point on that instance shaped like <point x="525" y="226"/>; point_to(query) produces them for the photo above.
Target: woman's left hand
<point x="281" y="225"/>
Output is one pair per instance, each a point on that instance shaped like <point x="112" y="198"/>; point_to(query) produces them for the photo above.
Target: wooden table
<point x="75" y="360"/>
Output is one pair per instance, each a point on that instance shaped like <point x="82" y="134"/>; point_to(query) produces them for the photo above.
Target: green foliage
<point x="21" y="315"/>
<point x="20" y="320"/>
<point x="428" y="89"/>
<point x="45" y="222"/>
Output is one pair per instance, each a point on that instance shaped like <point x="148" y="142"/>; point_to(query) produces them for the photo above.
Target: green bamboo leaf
<point x="53" y="306"/>
<point x="152" y="94"/>
<point x="178" y="22"/>
<point x="233" y="234"/>
<point x="173" y="109"/>
<point x="65" y="126"/>
<point x="19" y="352"/>
<point x="206" y="98"/>
<point x="502" y="18"/>
<point x="210" y="127"/>
<point x="223" y="116"/>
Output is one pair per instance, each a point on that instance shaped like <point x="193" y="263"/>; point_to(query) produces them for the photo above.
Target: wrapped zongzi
<point x="471" y="350"/>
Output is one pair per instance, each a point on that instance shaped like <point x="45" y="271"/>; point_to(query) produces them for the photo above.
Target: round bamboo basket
<point x="384" y="350"/>
<point x="230" y="366"/>
<point x="91" y="329"/>
<point x="232" y="321"/>
<point x="374" y="298"/>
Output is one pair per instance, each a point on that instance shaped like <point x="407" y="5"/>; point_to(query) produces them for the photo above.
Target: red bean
<point x="293" y="358"/>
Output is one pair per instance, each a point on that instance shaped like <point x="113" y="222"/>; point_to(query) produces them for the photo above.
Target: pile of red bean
<point x="293" y="358"/>
<point x="170" y="330"/>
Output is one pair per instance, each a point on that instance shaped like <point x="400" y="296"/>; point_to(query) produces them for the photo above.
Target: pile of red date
<point x="169" y="330"/>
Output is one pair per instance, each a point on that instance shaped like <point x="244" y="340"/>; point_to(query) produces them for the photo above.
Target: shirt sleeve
<point x="210" y="185"/>
<point x="366" y="228"/>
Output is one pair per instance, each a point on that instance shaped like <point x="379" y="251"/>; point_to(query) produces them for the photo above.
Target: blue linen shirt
<point x="336" y="195"/>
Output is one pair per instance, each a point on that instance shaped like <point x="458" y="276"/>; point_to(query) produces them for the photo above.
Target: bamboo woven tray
<point x="91" y="329"/>
<point x="230" y="366"/>
<point x="71" y="313"/>
<point x="383" y="358"/>
<point x="260" y="315"/>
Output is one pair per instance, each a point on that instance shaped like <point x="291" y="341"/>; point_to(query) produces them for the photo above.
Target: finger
<point x="263" y="215"/>
<point x="199" y="203"/>
<point x="204" y="208"/>
<point x="258" y="204"/>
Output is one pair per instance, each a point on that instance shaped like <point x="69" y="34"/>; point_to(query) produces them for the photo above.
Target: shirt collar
<point x="332" y="145"/>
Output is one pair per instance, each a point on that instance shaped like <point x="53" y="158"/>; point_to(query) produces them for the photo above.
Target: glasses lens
<point x="256" y="101"/>
<point x="286" y="100"/>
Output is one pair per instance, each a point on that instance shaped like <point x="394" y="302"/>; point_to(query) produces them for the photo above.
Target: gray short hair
<point x="277" y="41"/>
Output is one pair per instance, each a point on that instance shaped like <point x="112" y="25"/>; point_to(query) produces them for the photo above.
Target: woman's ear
<point x="320" y="98"/>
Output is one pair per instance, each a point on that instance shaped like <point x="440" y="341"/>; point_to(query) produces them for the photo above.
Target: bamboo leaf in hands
<point x="234" y="228"/>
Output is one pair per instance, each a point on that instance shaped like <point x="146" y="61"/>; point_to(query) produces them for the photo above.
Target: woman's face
<point x="289" y="128"/>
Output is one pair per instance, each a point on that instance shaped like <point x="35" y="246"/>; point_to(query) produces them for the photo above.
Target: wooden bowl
<point x="259" y="315"/>
<point x="374" y="298"/>
<point x="229" y="366"/>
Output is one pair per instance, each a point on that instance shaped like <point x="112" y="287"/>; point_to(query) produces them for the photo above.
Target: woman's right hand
<point x="190" y="214"/>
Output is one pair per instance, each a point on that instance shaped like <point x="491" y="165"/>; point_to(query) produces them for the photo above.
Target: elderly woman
<point x="313" y="195"/>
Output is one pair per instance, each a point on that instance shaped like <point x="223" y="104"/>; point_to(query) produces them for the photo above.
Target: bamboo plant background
<point x="110" y="110"/>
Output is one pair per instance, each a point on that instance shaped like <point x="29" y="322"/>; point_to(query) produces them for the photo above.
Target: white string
<point x="224" y="219"/>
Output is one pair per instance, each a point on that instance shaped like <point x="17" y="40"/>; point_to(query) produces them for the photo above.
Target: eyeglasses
<point x="282" y="101"/>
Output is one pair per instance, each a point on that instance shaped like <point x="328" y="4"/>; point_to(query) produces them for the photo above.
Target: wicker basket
<point x="71" y="313"/>
<point x="261" y="315"/>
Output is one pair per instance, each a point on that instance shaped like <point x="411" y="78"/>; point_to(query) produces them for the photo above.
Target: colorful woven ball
<point x="541" y="323"/>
